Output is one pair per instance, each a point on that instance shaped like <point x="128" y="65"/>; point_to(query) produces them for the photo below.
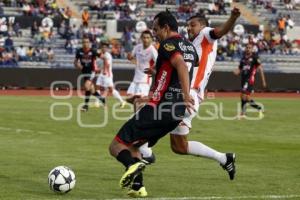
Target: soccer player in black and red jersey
<point x="248" y="67"/>
<point x="176" y="59"/>
<point x="85" y="61"/>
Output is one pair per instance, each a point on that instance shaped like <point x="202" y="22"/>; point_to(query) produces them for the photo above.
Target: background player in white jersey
<point x="205" y="41"/>
<point x="144" y="55"/>
<point x="105" y="78"/>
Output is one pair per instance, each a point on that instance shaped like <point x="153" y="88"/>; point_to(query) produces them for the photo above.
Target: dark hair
<point x="166" y="18"/>
<point x="104" y="43"/>
<point x="147" y="32"/>
<point x="202" y="19"/>
<point x="85" y="37"/>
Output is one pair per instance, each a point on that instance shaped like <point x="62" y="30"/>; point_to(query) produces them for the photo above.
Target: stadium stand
<point x="278" y="51"/>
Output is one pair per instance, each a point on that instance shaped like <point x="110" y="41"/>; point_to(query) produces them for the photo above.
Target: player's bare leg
<point x="140" y="102"/>
<point x="134" y="100"/>
<point x="131" y="99"/>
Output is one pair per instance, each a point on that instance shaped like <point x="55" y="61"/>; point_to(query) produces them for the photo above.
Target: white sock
<point x="199" y="149"/>
<point x="117" y="95"/>
<point x="145" y="150"/>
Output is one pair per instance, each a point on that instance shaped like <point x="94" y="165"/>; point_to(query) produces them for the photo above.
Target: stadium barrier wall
<point x="220" y="81"/>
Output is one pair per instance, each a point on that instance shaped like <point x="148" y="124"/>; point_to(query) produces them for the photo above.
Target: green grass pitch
<point x="31" y="144"/>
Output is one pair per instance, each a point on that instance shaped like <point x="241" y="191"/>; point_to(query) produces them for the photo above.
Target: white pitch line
<point x="5" y="128"/>
<point x="292" y="196"/>
<point x="20" y="130"/>
<point x="44" y="132"/>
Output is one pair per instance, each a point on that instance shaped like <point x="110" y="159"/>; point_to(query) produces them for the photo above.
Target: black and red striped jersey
<point x="248" y="66"/>
<point x="87" y="59"/>
<point x="167" y="87"/>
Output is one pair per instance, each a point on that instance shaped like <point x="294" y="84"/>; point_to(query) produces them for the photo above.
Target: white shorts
<point x="141" y="89"/>
<point x="186" y="124"/>
<point x="104" y="81"/>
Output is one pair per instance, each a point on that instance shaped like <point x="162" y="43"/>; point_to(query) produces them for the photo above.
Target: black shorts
<point x="86" y="77"/>
<point x="247" y="88"/>
<point x="146" y="126"/>
<point x="87" y="72"/>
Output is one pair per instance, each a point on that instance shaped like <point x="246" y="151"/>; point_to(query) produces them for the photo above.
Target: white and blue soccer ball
<point x="61" y="179"/>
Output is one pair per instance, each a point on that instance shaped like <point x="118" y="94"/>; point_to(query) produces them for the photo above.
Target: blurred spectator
<point x="2" y="41"/>
<point x="185" y="11"/>
<point x="132" y="6"/>
<point x="288" y="4"/>
<point x="95" y="4"/>
<point x="37" y="54"/>
<point x="149" y="3"/>
<point x="30" y="53"/>
<point x="9" y="43"/>
<point x="68" y="12"/>
<point x="127" y="39"/>
<point x="281" y="24"/>
<point x="52" y="6"/>
<point x="296" y="47"/>
<point x="17" y="29"/>
<point x="85" y="17"/>
<point x="26" y="8"/>
<point x="43" y="54"/>
<point x="62" y="29"/>
<point x="217" y="8"/>
<point x="290" y="22"/>
<point x="116" y="49"/>
<point x="46" y="33"/>
<point x="7" y="58"/>
<point x="50" y="54"/>
<point x="71" y="45"/>
<point x="3" y="27"/>
<point x="1" y="10"/>
<point x="34" y="29"/>
<point x="22" y="54"/>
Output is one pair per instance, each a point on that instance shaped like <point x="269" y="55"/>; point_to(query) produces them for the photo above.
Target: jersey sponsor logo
<point x="188" y="56"/>
<point x="172" y="89"/>
<point x="169" y="47"/>
<point x="184" y="47"/>
<point x="161" y="83"/>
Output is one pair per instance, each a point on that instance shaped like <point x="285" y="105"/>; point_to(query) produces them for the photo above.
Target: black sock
<point x="138" y="181"/>
<point x="87" y="97"/>
<point x="243" y="106"/>
<point x="125" y="158"/>
<point x="254" y="105"/>
<point x="102" y="99"/>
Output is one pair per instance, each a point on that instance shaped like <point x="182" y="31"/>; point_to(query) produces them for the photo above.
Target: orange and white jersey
<point x="107" y="65"/>
<point x="145" y="58"/>
<point x="207" y="51"/>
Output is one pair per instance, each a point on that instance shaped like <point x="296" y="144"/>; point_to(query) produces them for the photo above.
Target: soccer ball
<point x="61" y="179"/>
